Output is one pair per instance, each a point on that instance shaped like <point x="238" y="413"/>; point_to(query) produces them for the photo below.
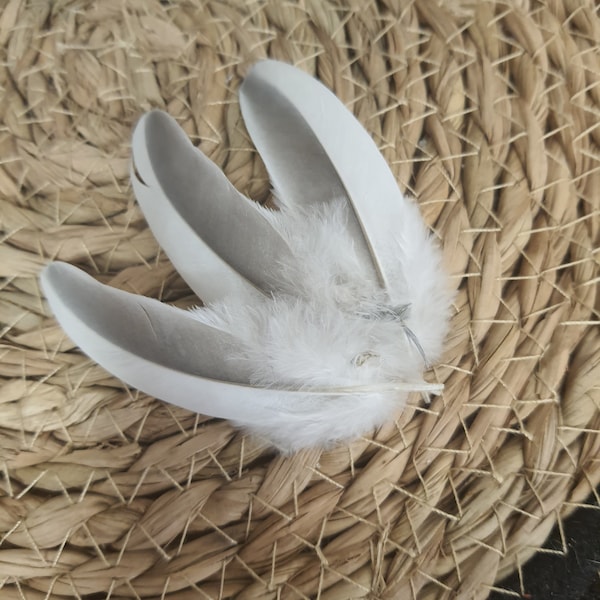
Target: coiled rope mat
<point x="488" y="113"/>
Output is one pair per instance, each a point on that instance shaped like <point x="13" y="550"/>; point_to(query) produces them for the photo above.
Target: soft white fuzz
<point x="331" y="326"/>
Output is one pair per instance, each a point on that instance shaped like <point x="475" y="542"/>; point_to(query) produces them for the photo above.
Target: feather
<point x="217" y="239"/>
<point x="168" y="353"/>
<point x="298" y="341"/>
<point x="312" y="145"/>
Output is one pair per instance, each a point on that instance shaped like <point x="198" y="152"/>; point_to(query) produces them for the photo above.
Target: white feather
<point x="345" y="323"/>
<point x="313" y="145"/>
<point x="216" y="238"/>
<point x="165" y="352"/>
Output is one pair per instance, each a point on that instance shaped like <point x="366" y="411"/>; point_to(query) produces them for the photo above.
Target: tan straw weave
<point x="489" y="114"/>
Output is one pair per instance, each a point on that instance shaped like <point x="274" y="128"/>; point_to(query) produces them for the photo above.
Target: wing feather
<point x="220" y="241"/>
<point x="315" y="149"/>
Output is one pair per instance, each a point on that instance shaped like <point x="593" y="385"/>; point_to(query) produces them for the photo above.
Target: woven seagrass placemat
<point x="488" y="113"/>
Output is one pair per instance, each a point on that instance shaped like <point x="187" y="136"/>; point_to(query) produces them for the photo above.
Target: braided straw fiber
<point x="488" y="113"/>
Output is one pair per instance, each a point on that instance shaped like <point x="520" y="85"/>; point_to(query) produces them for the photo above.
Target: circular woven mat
<point x="488" y="113"/>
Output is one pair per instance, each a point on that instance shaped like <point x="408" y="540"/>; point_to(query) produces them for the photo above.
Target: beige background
<point x="488" y="113"/>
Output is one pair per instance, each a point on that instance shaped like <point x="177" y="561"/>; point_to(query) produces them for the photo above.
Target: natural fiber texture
<point x="489" y="115"/>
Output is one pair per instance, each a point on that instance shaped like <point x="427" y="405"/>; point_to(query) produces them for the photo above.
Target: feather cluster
<point x="319" y="317"/>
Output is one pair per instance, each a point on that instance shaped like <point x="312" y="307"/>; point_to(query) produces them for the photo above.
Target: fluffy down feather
<point x="330" y="325"/>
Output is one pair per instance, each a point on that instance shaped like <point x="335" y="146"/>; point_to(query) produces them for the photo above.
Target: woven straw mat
<point x="488" y="113"/>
